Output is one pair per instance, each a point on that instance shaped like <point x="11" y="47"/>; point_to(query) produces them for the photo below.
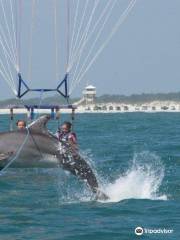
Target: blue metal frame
<point x="22" y="83"/>
<point x="30" y="108"/>
<point x="69" y="106"/>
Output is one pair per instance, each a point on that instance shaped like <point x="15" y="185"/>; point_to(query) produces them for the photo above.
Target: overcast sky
<point x="143" y="56"/>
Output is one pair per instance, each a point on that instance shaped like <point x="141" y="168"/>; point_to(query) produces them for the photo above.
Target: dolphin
<point x="35" y="146"/>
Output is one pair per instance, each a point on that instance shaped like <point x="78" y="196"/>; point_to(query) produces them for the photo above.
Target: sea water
<point x="136" y="158"/>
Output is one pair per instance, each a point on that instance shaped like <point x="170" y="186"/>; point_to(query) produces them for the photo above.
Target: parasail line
<point x="97" y="37"/>
<point x="84" y="35"/>
<point x="79" y="30"/>
<point x="5" y="76"/>
<point x="9" y="70"/>
<point x="114" y="30"/>
<point x="94" y="28"/>
<point x="14" y="32"/>
<point x="31" y="39"/>
<point x="4" y="42"/>
<point x="55" y="38"/>
<point x="74" y="27"/>
<point x="68" y="33"/>
<point x="5" y="51"/>
<point x="8" y="30"/>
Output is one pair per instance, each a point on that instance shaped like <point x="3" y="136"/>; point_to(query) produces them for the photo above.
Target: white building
<point x="89" y="94"/>
<point x="88" y="104"/>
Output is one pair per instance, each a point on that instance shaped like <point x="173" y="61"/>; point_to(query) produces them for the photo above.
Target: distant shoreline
<point x="151" y="107"/>
<point x="144" y="98"/>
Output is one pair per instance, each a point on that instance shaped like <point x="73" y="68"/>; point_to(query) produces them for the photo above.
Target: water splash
<point x="70" y="189"/>
<point x="141" y="181"/>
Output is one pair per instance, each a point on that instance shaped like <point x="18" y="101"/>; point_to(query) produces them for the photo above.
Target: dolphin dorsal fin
<point x="39" y="125"/>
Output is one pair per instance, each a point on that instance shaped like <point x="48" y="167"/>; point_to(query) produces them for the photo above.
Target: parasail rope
<point x="85" y="34"/>
<point x="6" y="78"/>
<point x="8" y="30"/>
<point x="5" y="51"/>
<point x="68" y="33"/>
<point x="74" y="28"/>
<point x="9" y="70"/>
<point x="14" y="33"/>
<point x="4" y="42"/>
<point x="9" y="47"/>
<point x="106" y="8"/>
<point x="114" y="30"/>
<point x="79" y="30"/>
<point x="40" y="102"/>
<point x="18" y="30"/>
<point x="55" y="38"/>
<point x="31" y="39"/>
<point x="96" y="39"/>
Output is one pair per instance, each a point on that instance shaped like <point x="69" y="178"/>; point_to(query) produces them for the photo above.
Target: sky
<point x="142" y="57"/>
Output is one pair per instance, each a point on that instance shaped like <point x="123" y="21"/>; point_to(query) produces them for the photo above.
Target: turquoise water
<point x="136" y="157"/>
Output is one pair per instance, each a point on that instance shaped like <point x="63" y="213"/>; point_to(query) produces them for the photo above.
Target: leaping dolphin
<point x="42" y="149"/>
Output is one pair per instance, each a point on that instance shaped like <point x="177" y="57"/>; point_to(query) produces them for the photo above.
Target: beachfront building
<point x="88" y="103"/>
<point x="89" y="94"/>
<point x="88" y="98"/>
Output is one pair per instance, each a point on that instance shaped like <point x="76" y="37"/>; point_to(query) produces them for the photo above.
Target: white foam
<point x="142" y="181"/>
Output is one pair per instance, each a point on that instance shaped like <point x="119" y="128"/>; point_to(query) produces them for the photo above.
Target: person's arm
<point x="72" y="138"/>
